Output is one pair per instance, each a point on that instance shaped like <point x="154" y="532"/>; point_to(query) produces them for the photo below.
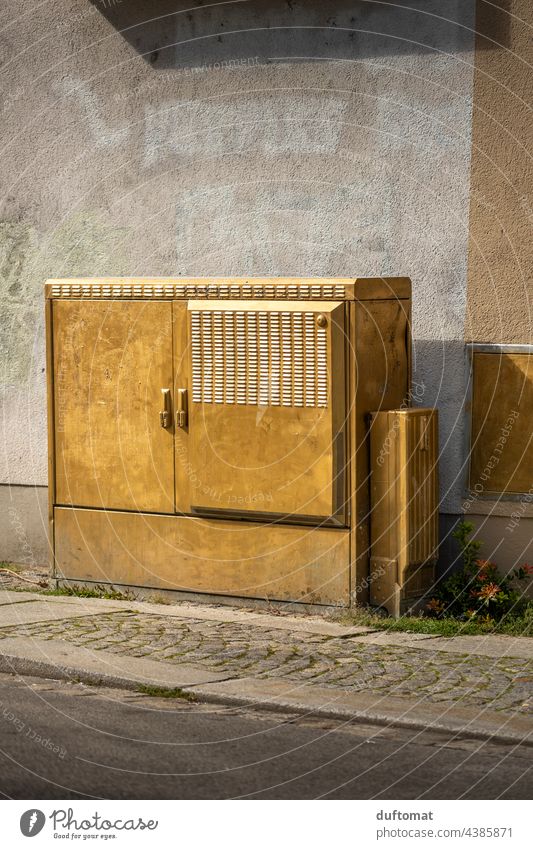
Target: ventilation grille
<point x="259" y="358"/>
<point x="269" y="291"/>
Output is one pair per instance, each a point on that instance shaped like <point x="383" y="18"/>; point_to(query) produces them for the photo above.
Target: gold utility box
<point x="210" y="435"/>
<point x="404" y="520"/>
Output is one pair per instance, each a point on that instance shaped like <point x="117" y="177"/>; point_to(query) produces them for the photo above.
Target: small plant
<point x="165" y="692"/>
<point x="98" y="591"/>
<point x="159" y="599"/>
<point x="477" y="591"/>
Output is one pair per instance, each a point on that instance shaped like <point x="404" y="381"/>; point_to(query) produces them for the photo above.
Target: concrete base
<point x="507" y="540"/>
<point x="176" y="596"/>
<point x="24" y="524"/>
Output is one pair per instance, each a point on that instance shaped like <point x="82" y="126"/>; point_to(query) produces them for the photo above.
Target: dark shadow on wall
<point x="493" y="24"/>
<point x="170" y="34"/>
<point x="440" y="380"/>
<point x="450" y="555"/>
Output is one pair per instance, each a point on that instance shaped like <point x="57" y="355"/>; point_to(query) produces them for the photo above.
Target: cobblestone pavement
<point x="246" y="650"/>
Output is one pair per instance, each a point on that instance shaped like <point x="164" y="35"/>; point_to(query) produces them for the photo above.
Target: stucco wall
<point x="500" y="269"/>
<point x="301" y="138"/>
<point x="500" y="288"/>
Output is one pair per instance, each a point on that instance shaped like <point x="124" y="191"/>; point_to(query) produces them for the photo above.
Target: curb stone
<point x="62" y="661"/>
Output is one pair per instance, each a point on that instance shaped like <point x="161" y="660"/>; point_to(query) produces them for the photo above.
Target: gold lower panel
<point x="309" y="565"/>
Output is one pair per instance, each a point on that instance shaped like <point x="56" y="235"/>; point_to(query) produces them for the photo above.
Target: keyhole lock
<point x="321" y="320"/>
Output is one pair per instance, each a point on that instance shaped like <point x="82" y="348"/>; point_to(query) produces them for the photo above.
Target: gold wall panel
<point x="267" y="407"/>
<point x="501" y="454"/>
<point x="111" y="361"/>
<point x="245" y="559"/>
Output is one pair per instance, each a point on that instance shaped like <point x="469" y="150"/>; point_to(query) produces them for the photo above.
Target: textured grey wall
<point x="253" y="137"/>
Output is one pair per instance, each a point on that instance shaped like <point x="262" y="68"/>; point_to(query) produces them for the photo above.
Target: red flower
<point x="488" y="592"/>
<point x="484" y="567"/>
<point x="528" y="568"/>
<point x="435" y="605"/>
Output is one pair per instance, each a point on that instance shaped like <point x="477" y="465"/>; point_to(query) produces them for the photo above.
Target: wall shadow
<point x="440" y="379"/>
<point x="173" y="35"/>
<point x="493" y="24"/>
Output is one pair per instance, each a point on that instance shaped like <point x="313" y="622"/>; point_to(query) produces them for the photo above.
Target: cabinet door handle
<point x="164" y="415"/>
<point x="181" y="408"/>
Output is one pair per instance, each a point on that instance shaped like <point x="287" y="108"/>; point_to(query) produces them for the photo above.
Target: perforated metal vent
<point x="259" y="357"/>
<point x="147" y="289"/>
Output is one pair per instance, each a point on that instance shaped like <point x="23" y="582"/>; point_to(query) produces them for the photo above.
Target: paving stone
<point x="239" y="649"/>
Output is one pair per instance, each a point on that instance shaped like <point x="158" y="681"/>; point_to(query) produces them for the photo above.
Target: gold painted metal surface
<point x="380" y="340"/>
<point x="404" y="500"/>
<point x="287" y="288"/>
<point x="501" y="458"/>
<point x="51" y="430"/>
<point x="267" y="408"/>
<point x="181" y="360"/>
<point x="110" y="361"/>
<point x="244" y="559"/>
<point x="314" y="402"/>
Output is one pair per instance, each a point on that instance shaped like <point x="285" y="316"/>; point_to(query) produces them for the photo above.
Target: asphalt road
<point x="63" y="741"/>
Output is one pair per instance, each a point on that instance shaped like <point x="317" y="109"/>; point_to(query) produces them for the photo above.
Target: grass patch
<point x="159" y="599"/>
<point x="98" y="591"/>
<point x="12" y="567"/>
<point x="519" y="625"/>
<point x="165" y="692"/>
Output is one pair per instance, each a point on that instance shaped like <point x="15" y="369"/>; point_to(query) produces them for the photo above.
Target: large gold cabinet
<point x="210" y="435"/>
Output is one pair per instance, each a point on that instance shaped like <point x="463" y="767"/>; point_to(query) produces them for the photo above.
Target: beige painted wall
<point x="500" y="258"/>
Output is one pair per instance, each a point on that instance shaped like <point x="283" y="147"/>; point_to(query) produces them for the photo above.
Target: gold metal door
<point x="266" y="409"/>
<point x="112" y="404"/>
<point x="404" y="448"/>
